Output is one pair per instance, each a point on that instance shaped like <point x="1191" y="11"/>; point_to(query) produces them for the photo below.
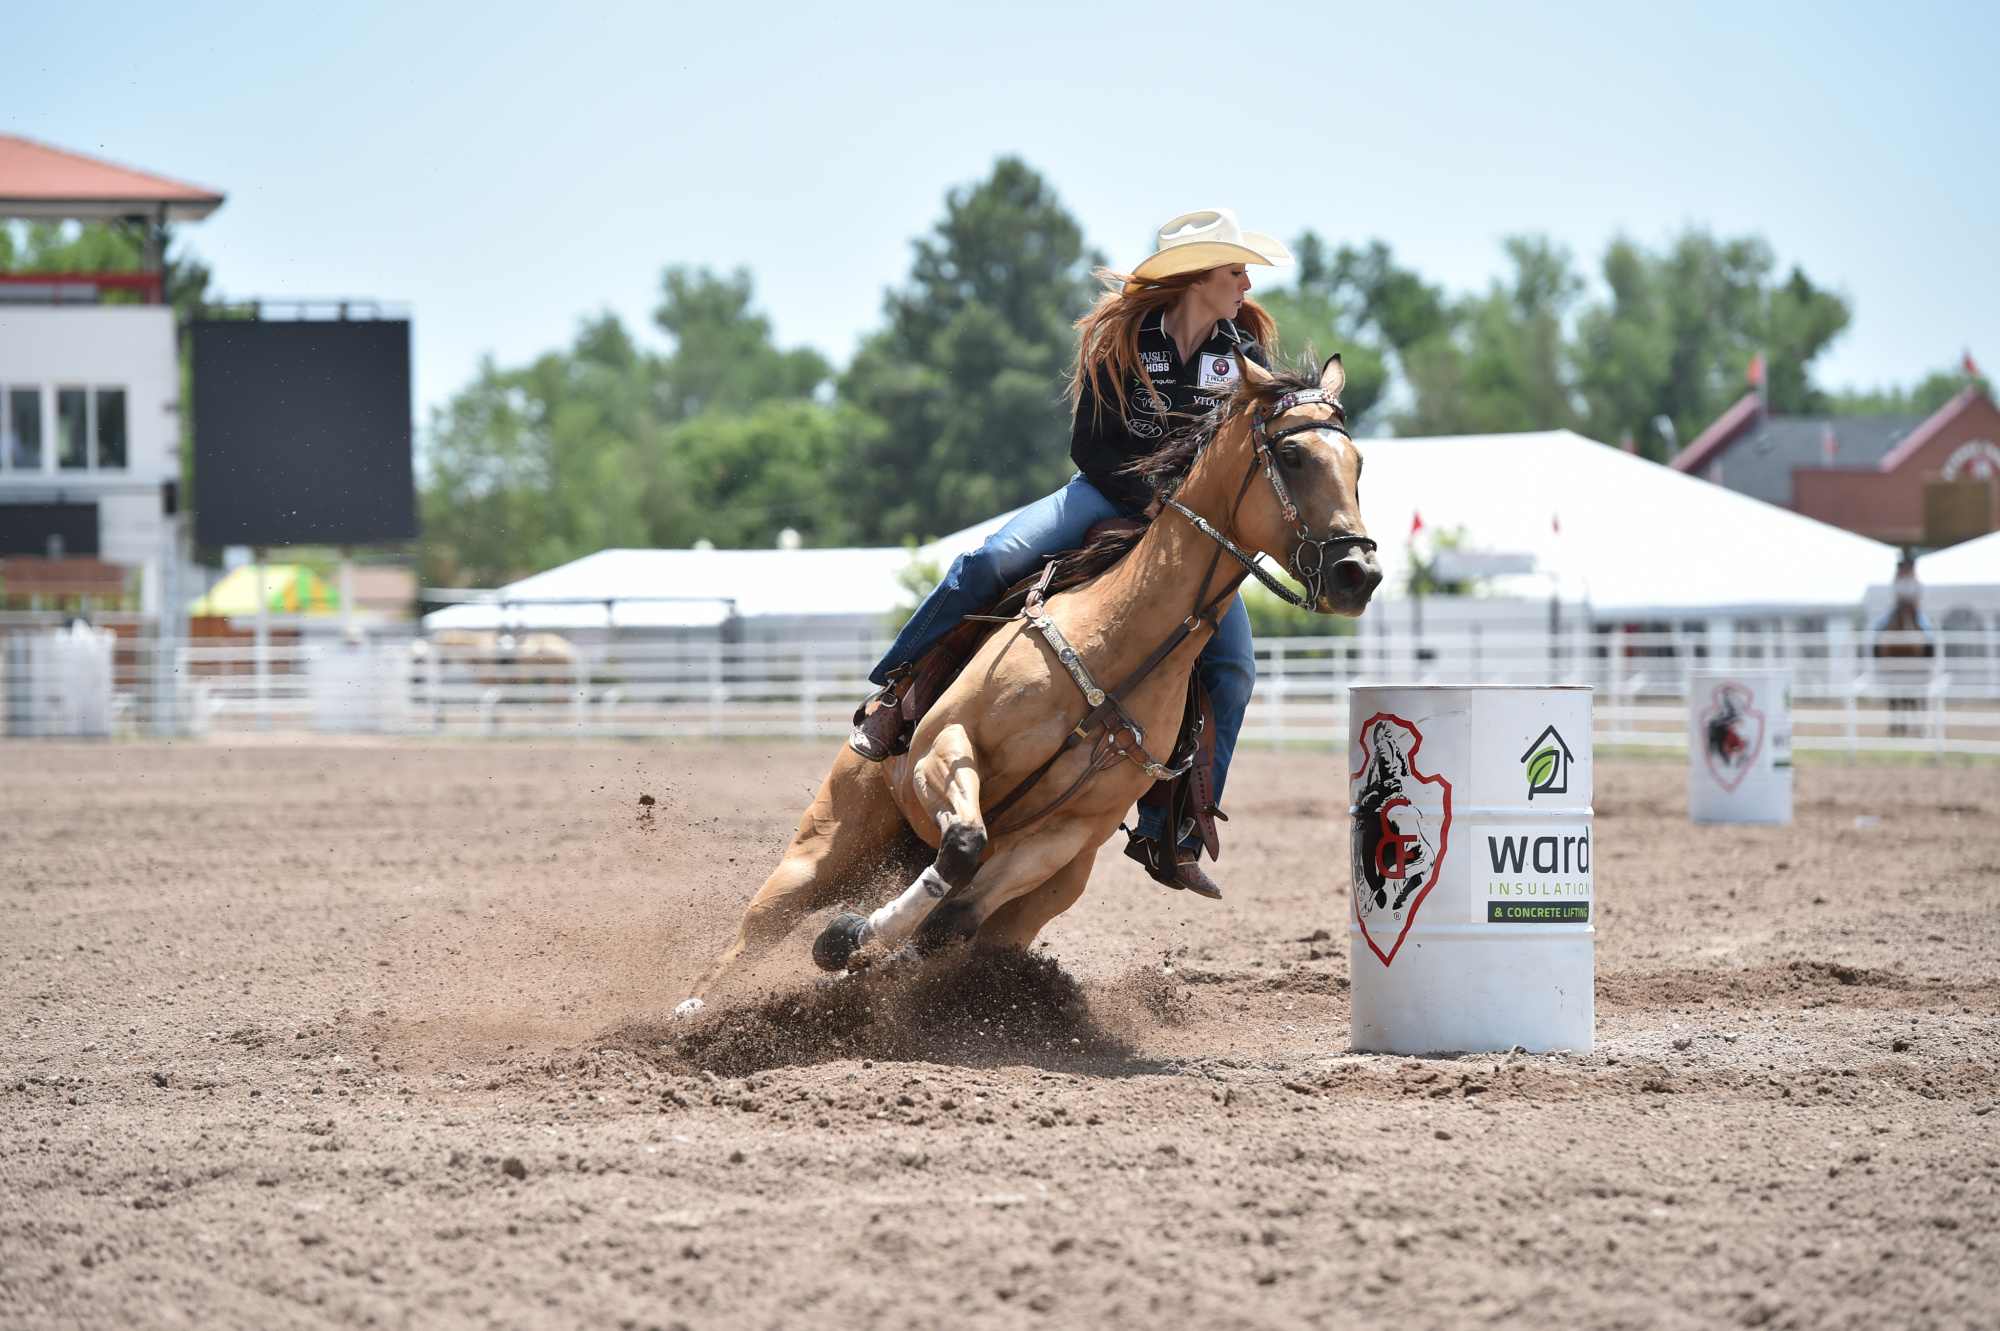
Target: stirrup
<point x="1169" y="865"/>
<point x="881" y="734"/>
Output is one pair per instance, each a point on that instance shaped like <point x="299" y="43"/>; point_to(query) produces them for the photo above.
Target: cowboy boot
<point x="1174" y="866"/>
<point x="878" y="734"/>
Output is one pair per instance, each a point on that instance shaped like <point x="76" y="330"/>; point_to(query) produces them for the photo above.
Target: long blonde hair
<point x="1107" y="340"/>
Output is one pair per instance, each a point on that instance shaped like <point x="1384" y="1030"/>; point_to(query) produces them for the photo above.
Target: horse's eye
<point x="1290" y="454"/>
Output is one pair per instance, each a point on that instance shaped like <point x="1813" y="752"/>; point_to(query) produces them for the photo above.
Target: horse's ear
<point x="1332" y="377"/>
<point x="1254" y="374"/>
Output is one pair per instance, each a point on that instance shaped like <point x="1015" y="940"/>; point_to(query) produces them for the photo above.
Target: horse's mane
<point x="1168" y="465"/>
<point x="1165" y="468"/>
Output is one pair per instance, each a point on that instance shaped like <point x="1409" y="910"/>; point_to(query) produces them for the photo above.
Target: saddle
<point x="1188" y="794"/>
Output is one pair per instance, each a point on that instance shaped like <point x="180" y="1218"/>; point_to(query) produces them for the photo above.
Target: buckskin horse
<point x="1027" y="763"/>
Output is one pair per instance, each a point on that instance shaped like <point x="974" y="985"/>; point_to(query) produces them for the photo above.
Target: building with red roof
<point x="90" y="426"/>
<point x="1927" y="481"/>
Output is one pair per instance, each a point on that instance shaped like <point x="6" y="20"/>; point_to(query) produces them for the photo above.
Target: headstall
<point x="1309" y="562"/>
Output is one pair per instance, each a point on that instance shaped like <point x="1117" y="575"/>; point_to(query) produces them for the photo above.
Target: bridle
<point x="1309" y="562"/>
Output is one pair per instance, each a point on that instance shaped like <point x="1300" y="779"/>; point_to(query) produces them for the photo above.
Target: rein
<point x="1109" y="708"/>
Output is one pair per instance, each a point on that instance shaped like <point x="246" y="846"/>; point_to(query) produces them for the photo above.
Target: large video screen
<point x="302" y="432"/>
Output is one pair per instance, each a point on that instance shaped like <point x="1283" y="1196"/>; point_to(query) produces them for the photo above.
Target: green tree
<point x="606" y="444"/>
<point x="108" y="247"/>
<point x="1403" y="308"/>
<point x="1317" y="318"/>
<point x="72" y="247"/>
<point x="1500" y="362"/>
<point x="966" y="378"/>
<point x="724" y="355"/>
<point x="753" y="473"/>
<point x="1273" y="618"/>
<point x="1361" y="303"/>
<point x="1920" y="399"/>
<point x="1679" y="330"/>
<point x="537" y="466"/>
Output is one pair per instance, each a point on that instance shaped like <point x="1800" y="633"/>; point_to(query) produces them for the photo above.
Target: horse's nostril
<point x="1348" y="575"/>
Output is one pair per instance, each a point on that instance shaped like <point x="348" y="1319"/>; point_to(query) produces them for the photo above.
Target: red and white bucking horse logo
<point x="1732" y="734"/>
<point x="1402" y="825"/>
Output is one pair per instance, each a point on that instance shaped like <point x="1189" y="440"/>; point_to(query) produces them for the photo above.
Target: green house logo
<point x="1547" y="762"/>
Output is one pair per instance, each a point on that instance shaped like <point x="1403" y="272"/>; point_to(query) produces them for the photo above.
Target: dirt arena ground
<point x="315" y="1034"/>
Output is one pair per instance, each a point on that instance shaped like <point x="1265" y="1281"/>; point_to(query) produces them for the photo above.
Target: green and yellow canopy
<point x="289" y="589"/>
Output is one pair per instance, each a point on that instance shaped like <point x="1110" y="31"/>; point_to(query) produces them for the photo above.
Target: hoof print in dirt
<point x="838" y="940"/>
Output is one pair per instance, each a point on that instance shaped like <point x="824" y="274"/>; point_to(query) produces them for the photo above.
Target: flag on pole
<point x="1829" y="444"/>
<point x="1971" y="365"/>
<point x="1556" y="523"/>
<point x="1416" y="523"/>
<point x="1755" y="374"/>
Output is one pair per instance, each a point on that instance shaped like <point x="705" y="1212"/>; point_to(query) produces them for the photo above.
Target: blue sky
<point x="507" y="169"/>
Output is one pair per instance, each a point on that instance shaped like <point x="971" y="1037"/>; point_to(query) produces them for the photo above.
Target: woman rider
<point x="1158" y="351"/>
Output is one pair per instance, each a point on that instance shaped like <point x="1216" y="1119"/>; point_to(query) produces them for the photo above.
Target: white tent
<point x="1634" y="539"/>
<point x="1973" y="564"/>
<point x="845" y="589"/>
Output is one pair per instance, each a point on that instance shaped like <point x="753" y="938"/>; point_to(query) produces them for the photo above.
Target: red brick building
<point x="1908" y="480"/>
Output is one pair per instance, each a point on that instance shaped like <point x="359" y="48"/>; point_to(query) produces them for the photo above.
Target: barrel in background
<point x="1740" y="746"/>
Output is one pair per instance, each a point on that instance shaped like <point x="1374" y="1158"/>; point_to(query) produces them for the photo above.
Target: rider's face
<point x="1220" y="293"/>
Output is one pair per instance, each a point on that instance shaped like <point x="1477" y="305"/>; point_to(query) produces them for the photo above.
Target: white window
<point x="21" y="419"/>
<point x="107" y="432"/>
<point x="92" y="429"/>
<point x="73" y="429"/>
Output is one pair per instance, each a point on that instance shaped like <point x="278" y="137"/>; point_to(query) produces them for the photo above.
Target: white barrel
<point x="1472" y="901"/>
<point x="59" y="682"/>
<point x="1740" y="746"/>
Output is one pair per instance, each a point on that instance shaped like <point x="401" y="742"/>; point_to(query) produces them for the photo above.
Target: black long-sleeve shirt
<point x="1102" y="443"/>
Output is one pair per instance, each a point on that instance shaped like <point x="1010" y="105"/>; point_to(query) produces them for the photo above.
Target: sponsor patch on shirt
<point x="1218" y="371"/>
<point x="1156" y="362"/>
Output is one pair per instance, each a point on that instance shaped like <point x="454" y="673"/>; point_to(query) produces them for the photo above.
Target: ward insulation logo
<point x="1547" y="761"/>
<point x="1402" y="827"/>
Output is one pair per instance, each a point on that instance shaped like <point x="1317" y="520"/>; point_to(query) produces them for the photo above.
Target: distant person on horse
<point x="1158" y="352"/>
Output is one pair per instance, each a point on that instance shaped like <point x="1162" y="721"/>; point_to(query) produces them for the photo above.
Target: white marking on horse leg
<point x="892" y="925"/>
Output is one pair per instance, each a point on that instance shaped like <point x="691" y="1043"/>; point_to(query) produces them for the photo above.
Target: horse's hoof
<point x="836" y="943"/>
<point x="954" y="921"/>
<point x="689" y="1008"/>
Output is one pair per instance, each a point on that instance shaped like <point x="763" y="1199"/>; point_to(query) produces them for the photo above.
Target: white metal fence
<point x="1850" y="695"/>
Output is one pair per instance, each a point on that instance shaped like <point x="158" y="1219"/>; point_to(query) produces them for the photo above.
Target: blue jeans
<point x="1048" y="527"/>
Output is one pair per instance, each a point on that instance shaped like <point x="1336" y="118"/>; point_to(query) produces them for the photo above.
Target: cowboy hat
<point x="1195" y="242"/>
